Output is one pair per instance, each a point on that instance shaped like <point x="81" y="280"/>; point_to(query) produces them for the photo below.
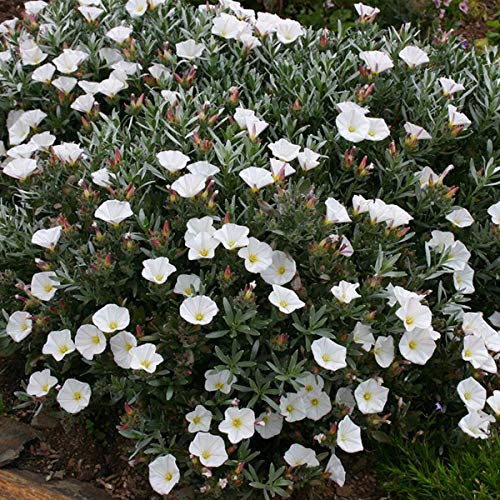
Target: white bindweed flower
<point x="378" y="130"/>
<point x="199" y="310"/>
<point x="255" y="127"/>
<point x="172" y="160"/>
<point x="376" y="61"/>
<point x="258" y="255"/>
<point x="58" y="344"/>
<point x="460" y="217"/>
<point x="353" y="125"/>
<point x="284" y="150"/>
<point x="103" y="177"/>
<point x="457" y="257"/>
<point x="345" y="399"/>
<point x="269" y="424"/>
<point x="450" y="86"/>
<point x="349" y="436"/>
<point x="281" y="270"/>
<point x="219" y="380"/>
<point x="457" y="119"/>
<point x="317" y="404"/>
<point x="84" y="103"/>
<point x="157" y="270"/>
<point x="472" y="393"/>
<point x="413" y="56"/>
<point x="47" y="238"/>
<point x="292" y="407"/>
<point x="494" y="213"/>
<point x="227" y="26"/>
<point x="40" y="383"/>
<point x="308" y="159"/>
<point x="119" y="33"/>
<point x="89" y="341"/>
<point x="68" y="152"/>
<point x="189" y="185"/>
<point x="416" y="133"/>
<point x="238" y="424"/>
<point x="44" y="73"/>
<point x="189" y="49"/>
<point x="199" y="419"/>
<point x="384" y="351"/>
<point x="20" y="168"/>
<point x="111" y="318"/>
<point x="111" y="86"/>
<point x="345" y="292"/>
<point x="329" y="354"/>
<point x="288" y="30"/>
<point x="365" y="12"/>
<point x="43" y="285"/>
<point x="34" y="7"/>
<point x="463" y="279"/>
<point x="280" y="169"/>
<point x="414" y="315"/>
<point x="298" y="455"/>
<point x="114" y="211"/>
<point x="336" y="213"/>
<point x="232" y="236"/>
<point x="163" y="474"/>
<point x="90" y="13"/>
<point x="74" y="395"/>
<point x="476" y="353"/>
<point x="203" y="168"/>
<point x="209" y="449"/>
<point x="69" y="60"/>
<point x="494" y="402"/>
<point x="371" y="396"/>
<point x="187" y="285"/>
<point x="121" y="345"/>
<point x="335" y="469"/>
<point x="285" y="300"/>
<point x="19" y="325"/>
<point x="136" y="8"/>
<point x="256" y="177"/>
<point x="362" y="334"/>
<point x="31" y="54"/>
<point x="476" y="424"/>
<point x="417" y="346"/>
<point x="145" y="357"/>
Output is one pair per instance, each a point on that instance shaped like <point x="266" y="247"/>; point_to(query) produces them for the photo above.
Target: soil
<point x="10" y="9"/>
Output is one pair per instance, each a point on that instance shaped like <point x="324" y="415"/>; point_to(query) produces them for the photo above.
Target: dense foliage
<point x="278" y="310"/>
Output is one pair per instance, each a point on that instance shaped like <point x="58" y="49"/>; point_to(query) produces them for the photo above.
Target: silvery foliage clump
<point x="270" y="245"/>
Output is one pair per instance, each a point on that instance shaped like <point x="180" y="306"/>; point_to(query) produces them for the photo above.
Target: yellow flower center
<point x="219" y="385"/>
<point x="77" y="396"/>
<point x="63" y="349"/>
<point x="371" y="133"/>
<point x="196" y="420"/>
<point x="188" y="291"/>
<point x="253" y="258"/>
<point x="168" y="476"/>
<point x="48" y="288"/>
<point x="203" y="252"/>
<point x="289" y="408"/>
<point x="128" y="347"/>
<point x="308" y="388"/>
<point x="351" y="129"/>
<point x="206" y="454"/>
<point x="146" y="363"/>
<point x="410" y="320"/>
<point x="237" y="423"/>
<point x="96" y="340"/>
<point x="113" y="325"/>
<point x="367" y="396"/>
<point x="315" y="402"/>
<point x="199" y="316"/>
<point x="24" y="327"/>
<point x="412" y="344"/>
<point x="467" y="353"/>
<point x="467" y="396"/>
<point x="283" y="304"/>
<point x="159" y="277"/>
<point x="45" y="387"/>
<point x="281" y="270"/>
<point x="231" y="244"/>
<point x="325" y="358"/>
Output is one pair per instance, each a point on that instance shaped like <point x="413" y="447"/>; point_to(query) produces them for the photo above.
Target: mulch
<point x="10" y="9"/>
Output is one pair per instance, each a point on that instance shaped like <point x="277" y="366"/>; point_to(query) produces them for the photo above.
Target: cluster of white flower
<point x="210" y="238"/>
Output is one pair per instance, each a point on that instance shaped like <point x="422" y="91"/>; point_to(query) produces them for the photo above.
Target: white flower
<point x="284" y="150"/>
<point x="238" y="424"/>
<point x="209" y="449"/>
<point x="345" y="399"/>
<point x="345" y="292"/>
<point x="111" y="318"/>
<point x="256" y="177"/>
<point x="417" y="346"/>
<point x="89" y="341"/>
<point x="281" y="270"/>
<point x="189" y="185"/>
<point x="114" y="211"/>
<point x="414" y="315"/>
<point x="227" y="26"/>
<point x="47" y="238"/>
<point x="292" y="407"/>
<point x="43" y="140"/>
<point x="311" y="383"/>
<point x="145" y="357"/>
<point x="335" y="469"/>
<point x="20" y="168"/>
<point x="187" y="284"/>
<point x="171" y="96"/>
<point x="201" y="246"/>
<point x="203" y="168"/>
<point x="43" y="285"/>
<point x="364" y="12"/>
<point x="476" y="424"/>
<point x="84" y="103"/>
<point x="198" y="310"/>
<point x="111" y="86"/>
<point x="378" y="129"/>
<point x="456" y="119"/>
<point x="58" y="344"/>
<point x="89" y="87"/>
<point x="40" y="383"/>
<point x="163" y="474"/>
<point x="460" y="217"/>
<point x="136" y="8"/>
<point x="258" y="255"/>
<point x="255" y="127"/>
<point x="160" y="72"/>
<point x="74" y="396"/>
<point x="371" y="396"/>
<point x="494" y="402"/>
<point x="199" y="419"/>
<point x="285" y="300"/>
<point x="34" y="7"/>
<point x="172" y="160"/>
<point x="157" y="270"/>
<point x="90" y="13"/>
<point x="450" y="86"/>
<point x="232" y="236"/>
<point x="19" y="325"/>
<point x="189" y="49"/>
<point x="413" y="56"/>
<point x="288" y="31"/>
<point x="472" y="393"/>
<point x="317" y="404"/>
<point x="308" y="159"/>
<point x="362" y="334"/>
<point x="102" y="177"/>
<point x="280" y="169"/>
<point x="476" y="353"/>
<point x="269" y="425"/>
<point x="22" y="123"/>
<point x="196" y="225"/>
<point x="353" y="125"/>
<point x="464" y="280"/>
<point x="298" y="455"/>
<point x="457" y="256"/>
<point x="345" y="106"/>
<point x="44" y="73"/>
<point x="119" y="33"/>
<point x="376" y="61"/>
<point x="31" y="54"/>
<point x="329" y="354"/>
<point x="69" y="60"/>
<point x="336" y="213"/>
<point x="349" y="436"/>
<point x="384" y="351"/>
<point x="68" y="152"/>
<point x="473" y="323"/>
<point x="494" y="213"/>
<point x="219" y="381"/>
<point x="242" y="115"/>
<point x="121" y="345"/>
<point x="416" y="133"/>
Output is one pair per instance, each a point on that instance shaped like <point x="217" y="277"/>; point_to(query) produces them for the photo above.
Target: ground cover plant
<point x="270" y="245"/>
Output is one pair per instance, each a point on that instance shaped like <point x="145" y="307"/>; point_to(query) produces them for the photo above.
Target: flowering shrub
<point x="230" y="224"/>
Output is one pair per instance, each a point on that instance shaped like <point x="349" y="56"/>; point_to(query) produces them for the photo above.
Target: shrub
<point x="344" y="287"/>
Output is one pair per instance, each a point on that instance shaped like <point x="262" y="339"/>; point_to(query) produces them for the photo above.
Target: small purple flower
<point x="439" y="407"/>
<point x="437" y="3"/>
<point x="463" y="6"/>
<point x="446" y="3"/>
